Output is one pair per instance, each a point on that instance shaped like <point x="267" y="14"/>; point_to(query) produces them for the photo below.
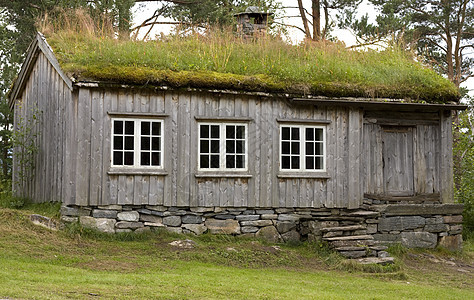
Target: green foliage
<point x="219" y="60"/>
<point x="464" y="174"/>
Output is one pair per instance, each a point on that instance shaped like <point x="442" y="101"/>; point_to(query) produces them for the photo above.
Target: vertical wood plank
<point x="83" y="162"/>
<point x="446" y="178"/>
<point x="354" y="194"/>
<point x="96" y="158"/>
<point x="254" y="154"/>
<point x="184" y="147"/>
<point x="331" y="157"/>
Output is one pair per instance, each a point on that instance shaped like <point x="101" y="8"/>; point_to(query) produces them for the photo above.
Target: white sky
<point x="143" y="11"/>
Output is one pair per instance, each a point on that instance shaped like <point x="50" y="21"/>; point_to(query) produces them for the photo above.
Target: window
<point x="222" y="146"/>
<point x="137" y="143"/>
<point x="302" y="148"/>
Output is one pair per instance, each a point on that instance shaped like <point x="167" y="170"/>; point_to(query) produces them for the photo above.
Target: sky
<point x="143" y="11"/>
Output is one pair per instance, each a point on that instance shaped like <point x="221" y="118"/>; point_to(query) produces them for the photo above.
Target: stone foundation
<point x="354" y="233"/>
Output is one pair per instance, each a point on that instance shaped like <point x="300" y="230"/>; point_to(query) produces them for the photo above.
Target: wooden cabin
<point x="123" y="157"/>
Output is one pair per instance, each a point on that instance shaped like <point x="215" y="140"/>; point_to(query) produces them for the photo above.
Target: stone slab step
<point x="364" y="213"/>
<point x="352" y="248"/>
<point x="349" y="238"/>
<point x="343" y="228"/>
<point x="376" y="260"/>
<point x="352" y="243"/>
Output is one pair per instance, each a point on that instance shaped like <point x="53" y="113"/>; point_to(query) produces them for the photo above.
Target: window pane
<point x="230" y="146"/>
<point x="118" y="127"/>
<point x="295" y="148"/>
<point x="129" y="143"/>
<point x="156" y="159"/>
<point x="309" y="148"/>
<point x="319" y="163"/>
<point x="230" y="161"/>
<point x="145" y="143"/>
<point x="204" y="161"/>
<point x="295" y="162"/>
<point x="129" y="127"/>
<point x="319" y="134"/>
<point x="309" y="162"/>
<point x="145" y="128"/>
<point x="156" y="128"/>
<point x="128" y="158"/>
<point x="285" y="147"/>
<point x="240" y="161"/>
<point x="156" y="143"/>
<point x="240" y="147"/>
<point x="240" y="132"/>
<point x="285" y="162"/>
<point x="285" y="133"/>
<point x="295" y="133"/>
<point x="145" y="158"/>
<point x="214" y="161"/>
<point x="118" y="143"/>
<point x="309" y="134"/>
<point x="319" y="148"/>
<point x="215" y="131"/>
<point x="230" y="131"/>
<point x="204" y="131"/>
<point x="214" y="146"/>
<point x="118" y="158"/>
<point x="204" y="146"/>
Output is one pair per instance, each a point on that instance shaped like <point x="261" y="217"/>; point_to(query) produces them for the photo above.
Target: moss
<point x="266" y="66"/>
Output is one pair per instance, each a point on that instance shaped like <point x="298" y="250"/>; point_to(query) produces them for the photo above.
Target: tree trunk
<point x="316" y="20"/>
<point x="303" y="18"/>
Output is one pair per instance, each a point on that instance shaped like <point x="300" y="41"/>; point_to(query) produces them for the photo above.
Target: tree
<point x="320" y="30"/>
<point x="441" y="30"/>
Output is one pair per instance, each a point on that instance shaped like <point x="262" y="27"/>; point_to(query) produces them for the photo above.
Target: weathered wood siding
<point x="180" y="183"/>
<point x="45" y="97"/>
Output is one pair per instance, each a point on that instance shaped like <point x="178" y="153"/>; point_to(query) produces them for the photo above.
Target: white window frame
<point x="222" y="147"/>
<point x="137" y="143"/>
<point x="302" y="154"/>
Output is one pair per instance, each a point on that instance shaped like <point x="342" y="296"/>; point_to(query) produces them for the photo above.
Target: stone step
<point x="376" y="260"/>
<point x="352" y="248"/>
<point x="349" y="238"/>
<point x="343" y="228"/>
<point x="353" y="243"/>
<point x="378" y="248"/>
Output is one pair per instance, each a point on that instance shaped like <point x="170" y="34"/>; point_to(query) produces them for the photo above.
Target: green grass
<point x="36" y="263"/>
<point x="221" y="61"/>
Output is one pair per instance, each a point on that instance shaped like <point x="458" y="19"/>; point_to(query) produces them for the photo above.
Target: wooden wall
<point x="45" y="97"/>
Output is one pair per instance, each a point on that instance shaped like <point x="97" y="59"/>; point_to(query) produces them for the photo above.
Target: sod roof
<point x="266" y="65"/>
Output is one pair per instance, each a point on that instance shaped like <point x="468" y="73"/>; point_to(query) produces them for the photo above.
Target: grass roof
<point x="221" y="61"/>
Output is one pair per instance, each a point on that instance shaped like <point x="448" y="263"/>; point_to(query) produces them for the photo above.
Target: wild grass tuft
<point x="220" y="60"/>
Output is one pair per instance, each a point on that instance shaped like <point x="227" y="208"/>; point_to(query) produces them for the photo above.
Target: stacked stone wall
<point x="354" y="233"/>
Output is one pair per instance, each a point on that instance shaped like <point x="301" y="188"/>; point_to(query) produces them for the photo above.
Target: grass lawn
<point x="36" y="263"/>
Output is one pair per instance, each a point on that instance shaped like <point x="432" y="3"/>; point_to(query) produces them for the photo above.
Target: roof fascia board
<point x="37" y="45"/>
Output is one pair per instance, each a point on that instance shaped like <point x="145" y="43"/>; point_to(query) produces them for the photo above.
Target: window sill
<point x="126" y="171"/>
<point x="216" y="174"/>
<point x="317" y="175"/>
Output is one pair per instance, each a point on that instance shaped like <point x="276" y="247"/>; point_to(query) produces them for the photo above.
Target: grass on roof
<point x="222" y="61"/>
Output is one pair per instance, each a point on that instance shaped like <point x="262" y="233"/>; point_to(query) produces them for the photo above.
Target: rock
<point x="151" y="224"/>
<point x="269" y="217"/>
<point x="144" y="211"/>
<point x="326" y="224"/>
<point x="223" y="226"/>
<point x="142" y="229"/>
<point x="292" y="218"/>
<point x="130" y="216"/>
<point x="44" y="222"/>
<point x="383" y="254"/>
<point x="343" y="228"/>
<point x="158" y="213"/>
<point x="400" y="223"/>
<point x="103" y="213"/>
<point x="419" y="239"/>
<point x="67" y="219"/>
<point x="100" y="224"/>
<point x="201" y="209"/>
<point x="349" y="243"/>
<point x="156" y="208"/>
<point x="247" y="217"/>
<point x="269" y="234"/>
<point x="151" y="219"/>
<point x="332" y="234"/>
<point x="248" y="212"/>
<point x="455" y="229"/>
<point x="257" y="223"/>
<point x="353" y="254"/>
<point x="264" y="211"/>
<point x="364" y="213"/>
<point x="249" y="229"/>
<point x="286" y="226"/>
<point x="122" y="230"/>
<point x="224" y="217"/>
<point x="436" y="227"/>
<point x="291" y="236"/>
<point x="195" y="228"/>
<point x="74" y="211"/>
<point x="191" y="219"/>
<point x="451" y="242"/>
<point x="376" y="260"/>
<point x="350" y="238"/>
<point x="184" y="244"/>
<point x="284" y="210"/>
<point x="436" y="220"/>
<point x="423" y="209"/>
<point x="314" y="238"/>
<point x="176" y="230"/>
<point x="110" y="207"/>
<point x="173" y="221"/>
<point x="385" y="237"/>
<point x="371" y="228"/>
<point x="453" y="219"/>
<point x="129" y="225"/>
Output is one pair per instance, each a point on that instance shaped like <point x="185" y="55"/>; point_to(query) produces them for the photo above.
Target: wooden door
<point x="397" y="156"/>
